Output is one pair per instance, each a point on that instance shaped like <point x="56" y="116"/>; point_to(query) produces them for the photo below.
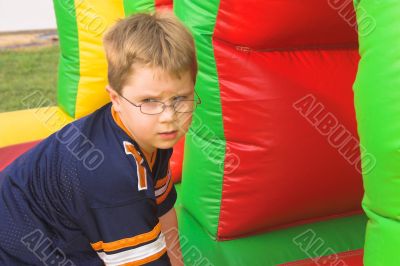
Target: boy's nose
<point x="168" y="114"/>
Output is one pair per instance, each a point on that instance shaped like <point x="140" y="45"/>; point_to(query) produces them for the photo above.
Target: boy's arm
<point x="169" y="227"/>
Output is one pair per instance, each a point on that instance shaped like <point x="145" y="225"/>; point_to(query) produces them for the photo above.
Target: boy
<point x="113" y="206"/>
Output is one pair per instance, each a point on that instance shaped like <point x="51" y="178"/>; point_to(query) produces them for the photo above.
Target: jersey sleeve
<point x="127" y="234"/>
<point x="164" y="189"/>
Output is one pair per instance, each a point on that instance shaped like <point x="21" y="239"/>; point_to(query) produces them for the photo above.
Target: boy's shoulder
<point x="87" y="138"/>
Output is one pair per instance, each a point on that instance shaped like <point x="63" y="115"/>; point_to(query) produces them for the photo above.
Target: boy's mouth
<point x="169" y="134"/>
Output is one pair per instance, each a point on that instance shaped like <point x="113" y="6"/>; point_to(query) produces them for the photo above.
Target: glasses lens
<point x="151" y="108"/>
<point x="185" y="106"/>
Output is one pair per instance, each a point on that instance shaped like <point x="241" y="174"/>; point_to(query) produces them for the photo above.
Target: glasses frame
<point x="165" y="106"/>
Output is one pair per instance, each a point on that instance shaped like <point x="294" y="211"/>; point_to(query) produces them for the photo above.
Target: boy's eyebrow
<point x="143" y="96"/>
<point x="150" y="95"/>
<point x="186" y="91"/>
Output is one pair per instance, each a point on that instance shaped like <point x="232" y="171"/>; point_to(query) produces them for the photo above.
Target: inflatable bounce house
<point x="293" y="157"/>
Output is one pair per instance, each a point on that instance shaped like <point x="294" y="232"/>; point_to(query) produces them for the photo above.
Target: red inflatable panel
<point x="10" y="153"/>
<point x="163" y="3"/>
<point x="349" y="258"/>
<point x="176" y="161"/>
<point x="287" y="172"/>
<point x="286" y="24"/>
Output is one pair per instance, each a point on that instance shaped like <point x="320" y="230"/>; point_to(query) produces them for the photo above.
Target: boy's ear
<point x="114" y="97"/>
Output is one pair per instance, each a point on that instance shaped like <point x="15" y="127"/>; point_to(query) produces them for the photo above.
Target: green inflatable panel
<point x="292" y="244"/>
<point x="69" y="65"/>
<point x="377" y="101"/>
<point x="273" y="248"/>
<point x="131" y="7"/>
<point x="205" y="143"/>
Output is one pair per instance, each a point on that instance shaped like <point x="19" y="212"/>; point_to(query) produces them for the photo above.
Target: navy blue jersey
<point x="86" y="195"/>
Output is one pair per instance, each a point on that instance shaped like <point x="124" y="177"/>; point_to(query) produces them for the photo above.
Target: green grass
<point x="24" y="71"/>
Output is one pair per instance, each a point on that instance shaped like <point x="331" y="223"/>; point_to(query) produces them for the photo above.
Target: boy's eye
<point x="148" y="100"/>
<point x="179" y="98"/>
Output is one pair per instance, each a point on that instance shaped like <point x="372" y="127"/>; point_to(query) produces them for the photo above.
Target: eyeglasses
<point x="157" y="107"/>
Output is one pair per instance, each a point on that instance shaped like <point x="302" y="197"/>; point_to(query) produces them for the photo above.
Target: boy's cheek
<point x="187" y="121"/>
<point x="184" y="128"/>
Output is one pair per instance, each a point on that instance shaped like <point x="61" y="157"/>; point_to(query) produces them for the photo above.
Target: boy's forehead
<point x="157" y="82"/>
<point x="157" y="73"/>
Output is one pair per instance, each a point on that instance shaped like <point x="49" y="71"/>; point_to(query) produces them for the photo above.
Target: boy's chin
<point x="166" y="144"/>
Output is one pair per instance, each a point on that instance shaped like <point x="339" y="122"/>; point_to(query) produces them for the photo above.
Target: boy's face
<point x="149" y="84"/>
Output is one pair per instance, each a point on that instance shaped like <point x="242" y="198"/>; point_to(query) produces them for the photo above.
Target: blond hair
<point x="158" y="39"/>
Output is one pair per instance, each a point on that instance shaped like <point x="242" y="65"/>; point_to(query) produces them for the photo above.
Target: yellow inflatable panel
<point x="30" y="124"/>
<point x="93" y="64"/>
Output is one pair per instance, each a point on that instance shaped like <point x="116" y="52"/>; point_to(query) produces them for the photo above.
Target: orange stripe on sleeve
<point x="161" y="198"/>
<point x="161" y="182"/>
<point x="127" y="242"/>
<point x="148" y="259"/>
